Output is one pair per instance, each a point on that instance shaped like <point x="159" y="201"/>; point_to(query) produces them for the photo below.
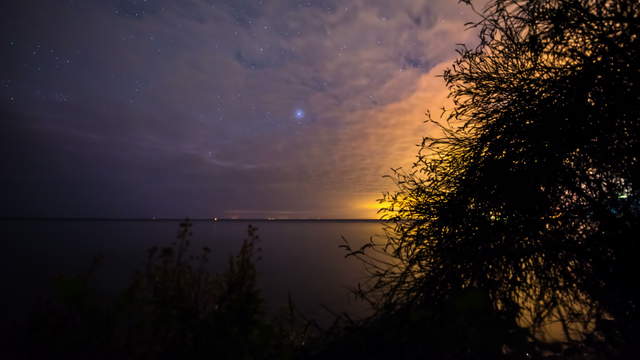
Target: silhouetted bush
<point x="175" y="308"/>
<point x="529" y="199"/>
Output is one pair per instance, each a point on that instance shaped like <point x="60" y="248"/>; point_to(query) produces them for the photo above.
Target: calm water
<point x="301" y="258"/>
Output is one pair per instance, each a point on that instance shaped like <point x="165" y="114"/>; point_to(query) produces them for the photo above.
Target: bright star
<point x="299" y="114"/>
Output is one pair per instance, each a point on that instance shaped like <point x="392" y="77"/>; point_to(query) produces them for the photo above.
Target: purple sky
<point x="216" y="107"/>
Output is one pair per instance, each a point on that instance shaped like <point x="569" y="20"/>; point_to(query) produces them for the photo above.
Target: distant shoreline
<point x="152" y="219"/>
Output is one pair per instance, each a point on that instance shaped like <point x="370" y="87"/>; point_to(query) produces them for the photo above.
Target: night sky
<point x="247" y="108"/>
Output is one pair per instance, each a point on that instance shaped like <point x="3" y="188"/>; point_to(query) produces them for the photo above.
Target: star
<point x="299" y="114"/>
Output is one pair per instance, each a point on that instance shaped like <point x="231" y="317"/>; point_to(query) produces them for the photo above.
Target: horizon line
<point x="174" y="219"/>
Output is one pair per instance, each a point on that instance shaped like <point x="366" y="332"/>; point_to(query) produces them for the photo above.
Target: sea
<point x="300" y="260"/>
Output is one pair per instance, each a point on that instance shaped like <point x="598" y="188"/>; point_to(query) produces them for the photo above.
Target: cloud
<point x="199" y="94"/>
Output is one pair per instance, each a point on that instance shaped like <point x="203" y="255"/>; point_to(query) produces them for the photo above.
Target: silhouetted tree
<point x="176" y="308"/>
<point x="529" y="200"/>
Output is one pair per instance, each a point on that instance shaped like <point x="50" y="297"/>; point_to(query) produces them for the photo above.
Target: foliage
<point x="175" y="308"/>
<point x="530" y="195"/>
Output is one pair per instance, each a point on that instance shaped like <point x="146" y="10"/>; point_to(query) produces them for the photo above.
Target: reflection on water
<point x="301" y="258"/>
